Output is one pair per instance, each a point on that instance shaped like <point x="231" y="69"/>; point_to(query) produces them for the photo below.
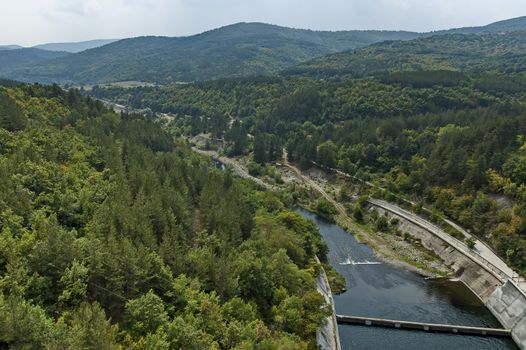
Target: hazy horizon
<point x="56" y="21"/>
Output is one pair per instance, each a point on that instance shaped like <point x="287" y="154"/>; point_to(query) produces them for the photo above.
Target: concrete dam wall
<point x="327" y="336"/>
<point x="503" y="297"/>
<point x="481" y="281"/>
<point x="508" y="304"/>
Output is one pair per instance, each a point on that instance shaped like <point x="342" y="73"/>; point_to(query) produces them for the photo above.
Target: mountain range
<point x="10" y="47"/>
<point x="246" y="49"/>
<point x="71" y="47"/>
<point x="75" y="47"/>
<point x="471" y="53"/>
<point x="236" y="50"/>
<point x="509" y="25"/>
<point x="12" y="58"/>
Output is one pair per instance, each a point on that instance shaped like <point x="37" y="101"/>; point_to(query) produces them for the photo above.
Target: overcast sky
<point x="29" y="22"/>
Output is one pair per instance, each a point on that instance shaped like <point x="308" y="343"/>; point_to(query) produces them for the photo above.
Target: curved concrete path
<point x="481" y="253"/>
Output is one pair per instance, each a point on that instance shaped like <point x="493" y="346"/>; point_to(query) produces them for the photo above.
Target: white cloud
<point x="78" y="7"/>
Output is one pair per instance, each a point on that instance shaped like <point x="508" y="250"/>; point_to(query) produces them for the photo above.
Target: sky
<point x="30" y="22"/>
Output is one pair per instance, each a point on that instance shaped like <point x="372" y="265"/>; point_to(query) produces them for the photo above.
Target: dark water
<point x="386" y="291"/>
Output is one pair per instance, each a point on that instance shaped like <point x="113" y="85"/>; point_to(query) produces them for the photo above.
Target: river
<point x="378" y="289"/>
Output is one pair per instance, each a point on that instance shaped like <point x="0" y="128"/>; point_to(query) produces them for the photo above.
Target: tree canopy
<point x="114" y="235"/>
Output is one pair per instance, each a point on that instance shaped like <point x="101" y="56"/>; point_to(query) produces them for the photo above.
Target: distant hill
<point x="10" y="47"/>
<point x="246" y="49"/>
<point x="237" y="50"/>
<point x="509" y="25"/>
<point x="75" y="47"/>
<point x="461" y="52"/>
<point x="13" y="58"/>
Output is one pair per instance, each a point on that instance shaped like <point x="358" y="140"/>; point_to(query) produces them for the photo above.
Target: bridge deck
<point x="420" y="326"/>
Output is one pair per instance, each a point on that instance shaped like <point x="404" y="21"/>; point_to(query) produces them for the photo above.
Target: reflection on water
<point x="376" y="289"/>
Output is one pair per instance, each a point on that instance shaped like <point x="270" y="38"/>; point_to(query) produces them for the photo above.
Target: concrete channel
<point x="327" y="336"/>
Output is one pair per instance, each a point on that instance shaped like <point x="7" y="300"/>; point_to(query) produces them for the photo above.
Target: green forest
<point x="455" y="141"/>
<point x="249" y="49"/>
<point x="115" y="236"/>
<point x="242" y="49"/>
<point x="502" y="52"/>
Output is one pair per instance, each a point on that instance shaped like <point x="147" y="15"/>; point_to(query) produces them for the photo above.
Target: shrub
<point x="382" y="224"/>
<point x="255" y="169"/>
<point x="358" y="213"/>
<point x="325" y="209"/>
<point x="471" y="242"/>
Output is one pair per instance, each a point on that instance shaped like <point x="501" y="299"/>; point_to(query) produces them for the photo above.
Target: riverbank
<point x="390" y="248"/>
<point x="383" y="290"/>
<point x="386" y="246"/>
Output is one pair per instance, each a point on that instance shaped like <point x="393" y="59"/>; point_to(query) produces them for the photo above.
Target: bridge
<point x="421" y="326"/>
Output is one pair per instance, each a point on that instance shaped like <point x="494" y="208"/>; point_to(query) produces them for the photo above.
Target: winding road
<point x="238" y="169"/>
<point x="481" y="253"/>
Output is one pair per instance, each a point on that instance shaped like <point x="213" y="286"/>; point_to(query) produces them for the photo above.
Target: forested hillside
<point x="75" y="47"/>
<point x="509" y="25"/>
<point x="15" y="57"/>
<point x="447" y="139"/>
<point x="237" y="50"/>
<point x="10" y="47"/>
<point x="113" y="236"/>
<point x="249" y="49"/>
<point x="474" y="53"/>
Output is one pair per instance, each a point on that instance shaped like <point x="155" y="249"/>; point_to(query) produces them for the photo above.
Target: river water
<point x="383" y="290"/>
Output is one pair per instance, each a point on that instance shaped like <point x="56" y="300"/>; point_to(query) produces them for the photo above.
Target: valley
<point x="387" y="249"/>
<point x="258" y="187"/>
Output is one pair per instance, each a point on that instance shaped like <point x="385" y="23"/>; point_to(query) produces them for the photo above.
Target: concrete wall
<point x="505" y="301"/>
<point x="327" y="336"/>
<point x="481" y="281"/>
<point x="508" y="304"/>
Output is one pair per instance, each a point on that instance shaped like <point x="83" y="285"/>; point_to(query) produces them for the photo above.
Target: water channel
<point x="378" y="289"/>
